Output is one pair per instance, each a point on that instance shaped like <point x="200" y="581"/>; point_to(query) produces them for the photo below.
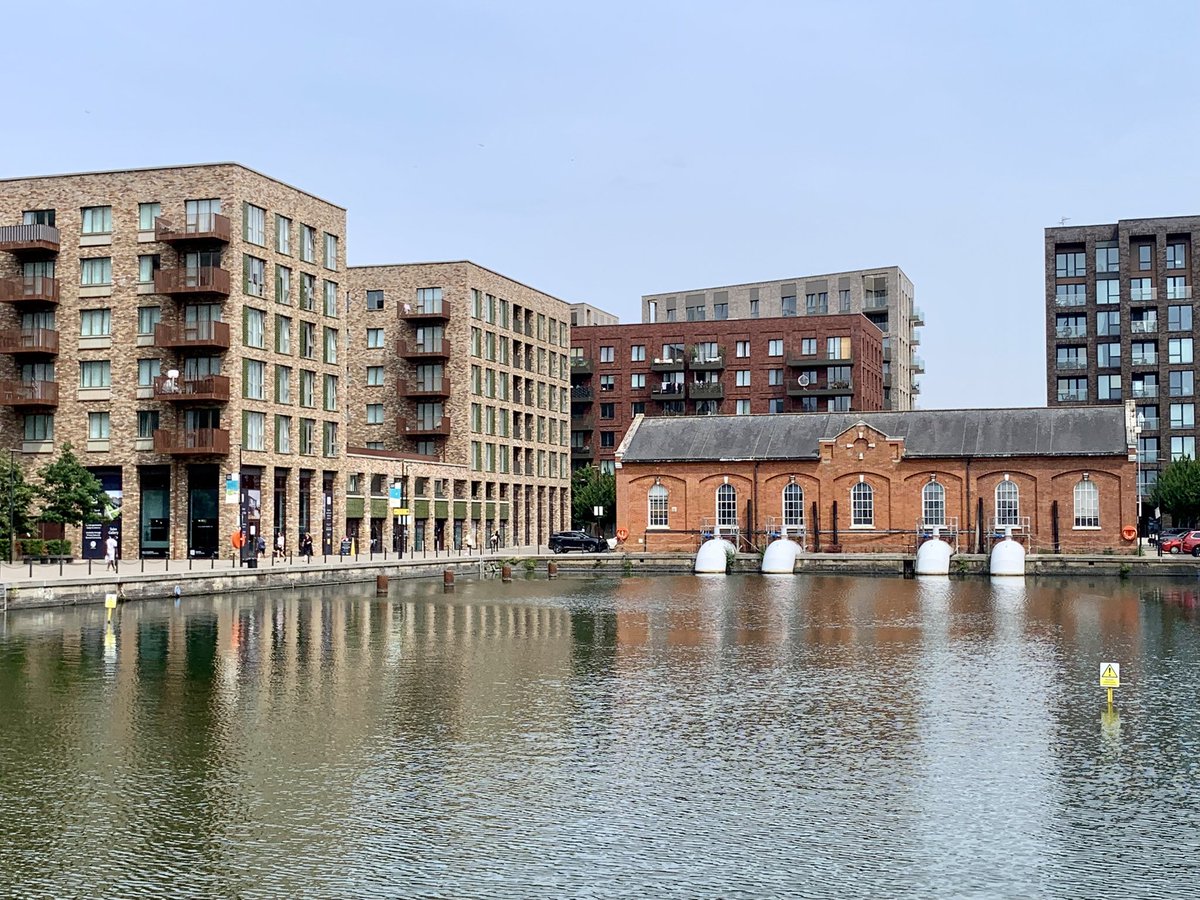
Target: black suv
<point x="562" y="541"/>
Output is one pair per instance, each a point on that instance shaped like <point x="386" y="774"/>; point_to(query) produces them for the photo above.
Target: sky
<point x="603" y="151"/>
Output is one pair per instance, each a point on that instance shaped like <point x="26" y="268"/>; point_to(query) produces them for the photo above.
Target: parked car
<point x="1166" y="534"/>
<point x="1185" y="542"/>
<point x="562" y="541"/>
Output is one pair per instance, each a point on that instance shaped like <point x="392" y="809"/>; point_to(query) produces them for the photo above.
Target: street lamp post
<point x="12" y="492"/>
<point x="1137" y="433"/>
<point x="598" y="512"/>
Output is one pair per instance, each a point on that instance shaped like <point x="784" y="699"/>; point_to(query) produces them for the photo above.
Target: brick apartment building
<point x="1060" y="479"/>
<point x="884" y="295"/>
<point x="772" y="365"/>
<point x="1119" y="327"/>
<point x="456" y="363"/>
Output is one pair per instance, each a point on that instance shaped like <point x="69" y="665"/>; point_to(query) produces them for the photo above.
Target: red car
<point x="1188" y="542"/>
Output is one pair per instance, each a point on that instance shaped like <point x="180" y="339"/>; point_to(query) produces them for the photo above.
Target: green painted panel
<point x="441" y="509"/>
<point x="421" y="509"/>
<point x="379" y="508"/>
<point x="476" y="510"/>
<point x="354" y="507"/>
<point x="460" y="509"/>
<point x="504" y="511"/>
<point x="489" y="509"/>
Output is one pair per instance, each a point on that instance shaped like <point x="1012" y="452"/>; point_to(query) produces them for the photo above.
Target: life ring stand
<point x="238" y="539"/>
<point x="1129" y="532"/>
<point x="622" y="533"/>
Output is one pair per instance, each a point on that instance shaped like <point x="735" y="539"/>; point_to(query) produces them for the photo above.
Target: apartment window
<point x="774" y="377"/>
<point x="283" y="235"/>
<point x="96" y="373"/>
<point x="148" y="212"/>
<point x="1179" y="350"/>
<point x="374" y="338"/>
<point x="1180" y="383"/>
<point x="637" y="381"/>
<point x="754" y="309"/>
<point x="1141" y="289"/>
<point x="148" y="370"/>
<point x="331" y="250"/>
<point x="283" y="285"/>
<point x="374" y="413"/>
<point x="844" y="301"/>
<point x="1073" y="295"/>
<point x="816" y="304"/>
<point x="147" y="423"/>
<point x="97" y="220"/>
<point x="374" y="301"/>
<point x="1108" y="355"/>
<point x="606" y="354"/>
<point x="637" y="353"/>
<point x="742" y="408"/>
<point x="933" y="505"/>
<point x="720" y="311"/>
<point x="1108" y="290"/>
<point x="608" y="439"/>
<point x="787" y="305"/>
<point x="808" y="346"/>
<point x="308" y="340"/>
<point x="862" y="506"/>
<point x="331" y="307"/>
<point x="1070" y="265"/>
<point x="252" y="374"/>
<point x="308" y="445"/>
<point x="1108" y="259"/>
<point x="1176" y="256"/>
<point x="148" y="264"/>
<point x="256" y="225"/>
<point x="1145" y="257"/>
<point x="1008" y="504"/>
<point x="1108" y="323"/>
<point x="256" y="276"/>
<point x="308" y="381"/>
<point x="331" y="393"/>
<point x="283" y="384"/>
<point x="283" y="335"/>
<point x="1179" y="318"/>
<point x="95" y="323"/>
<point x="1108" y="387"/>
<point x="331" y="346"/>
<point x="775" y="347"/>
<point x="1072" y="390"/>
<point x="775" y="405"/>
<point x="607" y="411"/>
<point x="608" y="382"/>
<point x="308" y="243"/>
<point x="742" y="377"/>
<point x="658" y="503"/>
<point x="255" y="325"/>
<point x="98" y="426"/>
<point x="1182" y="447"/>
<point x="308" y="292"/>
<point x="283" y="434"/>
<point x="39" y="427"/>
<point x="742" y="349"/>
<point x="374" y="376"/>
<point x="329" y="446"/>
<point x="96" y="271"/>
<point x="1183" y="415"/>
<point x="637" y="408"/>
<point x="1087" y="505"/>
<point x="695" y="313"/>
<point x="837" y="348"/>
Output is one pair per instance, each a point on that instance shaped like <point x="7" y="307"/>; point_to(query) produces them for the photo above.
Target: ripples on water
<point x="670" y="737"/>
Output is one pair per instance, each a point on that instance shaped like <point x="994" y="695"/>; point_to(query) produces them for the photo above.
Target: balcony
<point x="583" y="423"/>
<point x="918" y="315"/>
<point x="28" y="393"/>
<point x="832" y="388"/>
<point x="425" y="427"/>
<point x="1151" y="360"/>
<point x="1066" y="300"/>
<point x="876" y="301"/>
<point x="670" y="391"/>
<point x="201" y="280"/>
<point x="439" y="349"/>
<point x="582" y="394"/>
<point x="1143" y="294"/>
<point x="815" y="362"/>
<point x="580" y="366"/>
<point x="209" y="389"/>
<point x="1148" y="423"/>
<point x="1148" y="456"/>
<point x="918" y="364"/>
<point x="207" y="228"/>
<point x="1071" y="331"/>
<point x="703" y="363"/>
<point x="707" y="390"/>
<point x="1143" y="326"/>
<point x="432" y="387"/>
<point x="192" y="336"/>
<point x="887" y="354"/>
<point x="1141" y="391"/>
<point x="28" y="340"/>
<point x="192" y="442"/>
<point x="1079" y="396"/>
<point x="29" y="239"/>
<point x="673" y="364"/>
<point x="1070" y="365"/>
<point x="584" y="452"/>
<point x="29" y="289"/>
<point x="1179" y="293"/>
<point x="425" y="312"/>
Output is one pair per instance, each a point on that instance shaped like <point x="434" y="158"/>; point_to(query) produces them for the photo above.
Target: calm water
<point x="669" y="737"/>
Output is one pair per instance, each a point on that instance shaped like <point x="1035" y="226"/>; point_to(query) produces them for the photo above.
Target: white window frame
<point x="862" y="505"/>
<point x="1008" y="504"/>
<point x="933" y="505"/>
<point x="658" y="507"/>
<point x="1087" y="505"/>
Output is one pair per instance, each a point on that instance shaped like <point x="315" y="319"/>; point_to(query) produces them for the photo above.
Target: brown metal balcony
<point x="583" y="423"/>
<point x="814" y="362"/>
<point x="193" y="336"/>
<point x="210" y="227"/>
<point x="580" y="394"/>
<point x="708" y="390"/>
<point x="29" y="289"/>
<point x="434" y="387"/>
<point x="584" y="452"/>
<point x="28" y="340"/>
<point x="209" y="389"/>
<point x="828" y="389"/>
<point x="580" y="366"/>
<point x="192" y="442"/>
<point x="28" y="393"/>
<point x="433" y="312"/>
<point x="417" y="428"/>
<point x="669" y="391"/>
<point x="427" y="350"/>
<point x="29" y="239"/>
<point x="201" y="280"/>
<point x="700" y="363"/>
<point x="675" y="364"/>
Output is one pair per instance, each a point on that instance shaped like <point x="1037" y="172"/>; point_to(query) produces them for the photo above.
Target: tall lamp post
<point x="598" y="512"/>
<point x="12" y="493"/>
<point x="1137" y="433"/>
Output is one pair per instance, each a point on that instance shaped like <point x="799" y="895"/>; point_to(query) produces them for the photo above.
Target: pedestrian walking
<point x="279" y="546"/>
<point x="495" y="540"/>
<point x="306" y="546"/>
<point x="261" y="546"/>
<point x="110" y="554"/>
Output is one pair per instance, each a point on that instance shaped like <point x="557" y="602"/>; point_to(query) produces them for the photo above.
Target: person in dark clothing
<point x="306" y="546"/>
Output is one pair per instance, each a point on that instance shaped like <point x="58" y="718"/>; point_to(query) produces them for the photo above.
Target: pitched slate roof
<point x="1070" y="431"/>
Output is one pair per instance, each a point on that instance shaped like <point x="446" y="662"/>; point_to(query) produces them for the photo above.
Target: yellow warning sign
<point x="1110" y="675"/>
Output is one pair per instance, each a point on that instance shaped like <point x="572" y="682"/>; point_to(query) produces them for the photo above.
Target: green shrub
<point x="33" y="547"/>
<point x="58" y="548"/>
<point x="530" y="565"/>
<point x="1125" y="569"/>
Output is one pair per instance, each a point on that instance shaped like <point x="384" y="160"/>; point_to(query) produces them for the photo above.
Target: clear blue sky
<point x="605" y="150"/>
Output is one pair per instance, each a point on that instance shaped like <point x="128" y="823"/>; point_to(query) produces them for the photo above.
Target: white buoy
<point x="1008" y="557"/>
<point x="780" y="557"/>
<point x="933" y="557"/>
<point x="711" y="557"/>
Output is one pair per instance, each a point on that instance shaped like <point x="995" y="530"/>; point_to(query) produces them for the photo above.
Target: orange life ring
<point x="238" y="539"/>
<point x="622" y="533"/>
<point x="1129" y="532"/>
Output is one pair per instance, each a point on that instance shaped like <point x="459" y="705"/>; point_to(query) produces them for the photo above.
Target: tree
<point x="590" y="488"/>
<point x="1178" y="490"/>
<point x="16" y="499"/>
<point x="70" y="494"/>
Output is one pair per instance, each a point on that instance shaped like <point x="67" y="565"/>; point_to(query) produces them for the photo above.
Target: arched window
<point x="1008" y="504"/>
<point x="1087" y="505"/>
<point x="793" y="506"/>
<point x="726" y="505"/>
<point x="862" y="505"/>
<point x="933" y="505"/>
<point x="658" y="507"/>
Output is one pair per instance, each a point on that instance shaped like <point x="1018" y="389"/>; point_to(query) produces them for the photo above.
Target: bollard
<point x="506" y="574"/>
<point x="552" y="569"/>
<point x="89" y="567"/>
<point x="448" y="580"/>
<point x="381" y="585"/>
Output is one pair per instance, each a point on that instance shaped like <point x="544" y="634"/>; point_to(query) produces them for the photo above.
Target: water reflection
<point x="683" y="736"/>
